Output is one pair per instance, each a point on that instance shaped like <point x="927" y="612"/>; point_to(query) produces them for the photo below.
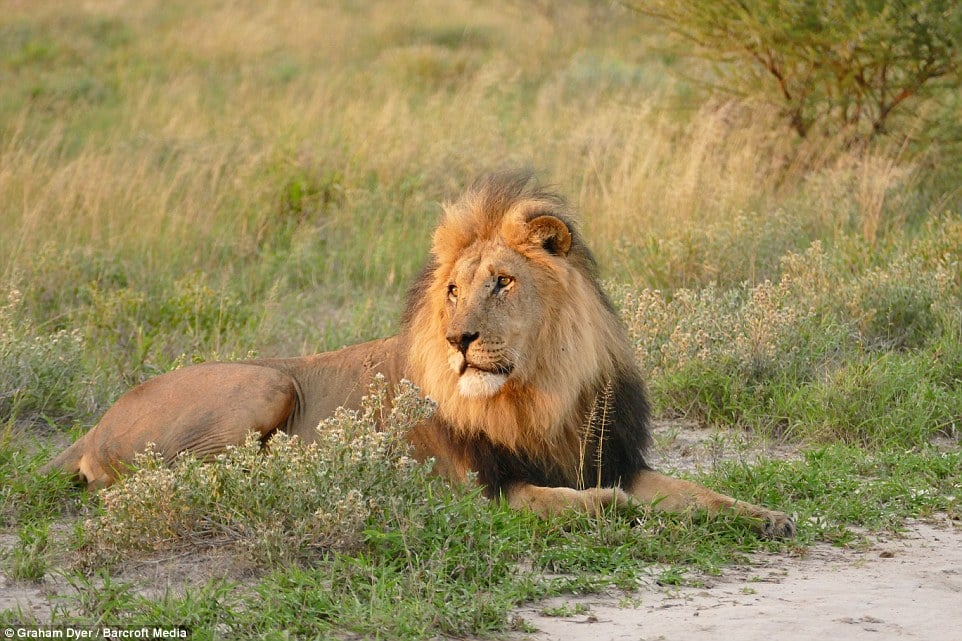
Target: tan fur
<point x="506" y="330"/>
<point x="205" y="408"/>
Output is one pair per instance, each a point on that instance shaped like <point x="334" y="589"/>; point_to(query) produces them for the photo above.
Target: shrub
<point x="863" y="355"/>
<point x="895" y="306"/>
<point x="753" y="332"/>
<point x="280" y="504"/>
<point x="849" y="67"/>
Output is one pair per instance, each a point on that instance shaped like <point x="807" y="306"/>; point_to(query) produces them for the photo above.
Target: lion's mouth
<point x="482" y="381"/>
<point x="502" y="369"/>
<point x="477" y="380"/>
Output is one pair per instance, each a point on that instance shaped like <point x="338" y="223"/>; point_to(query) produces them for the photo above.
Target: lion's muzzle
<point x="461" y="341"/>
<point x="481" y="373"/>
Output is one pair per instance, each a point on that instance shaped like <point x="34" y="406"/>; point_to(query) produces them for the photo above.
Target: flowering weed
<point x="281" y="501"/>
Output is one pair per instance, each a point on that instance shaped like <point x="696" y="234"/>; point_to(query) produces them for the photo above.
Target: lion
<point x="506" y="328"/>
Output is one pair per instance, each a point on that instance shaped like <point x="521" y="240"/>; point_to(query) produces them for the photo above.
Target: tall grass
<point x="180" y="184"/>
<point x="186" y="182"/>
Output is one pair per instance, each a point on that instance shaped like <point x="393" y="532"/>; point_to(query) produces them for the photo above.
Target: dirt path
<point x="906" y="587"/>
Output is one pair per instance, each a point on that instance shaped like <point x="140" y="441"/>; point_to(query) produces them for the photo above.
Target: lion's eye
<point x="503" y="281"/>
<point x="453" y="292"/>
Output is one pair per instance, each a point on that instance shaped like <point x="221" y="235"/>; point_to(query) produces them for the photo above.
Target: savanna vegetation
<point x="183" y="181"/>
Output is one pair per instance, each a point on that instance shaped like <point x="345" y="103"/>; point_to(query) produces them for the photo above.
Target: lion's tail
<point x="69" y="459"/>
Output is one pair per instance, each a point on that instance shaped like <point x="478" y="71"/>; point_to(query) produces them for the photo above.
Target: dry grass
<point x="181" y="182"/>
<point x="183" y="132"/>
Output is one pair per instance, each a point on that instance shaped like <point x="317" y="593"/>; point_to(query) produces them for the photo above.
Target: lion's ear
<point x="551" y="234"/>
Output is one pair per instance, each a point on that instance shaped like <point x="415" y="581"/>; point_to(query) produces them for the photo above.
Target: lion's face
<point x="507" y="329"/>
<point x="491" y="314"/>
<point x="497" y="300"/>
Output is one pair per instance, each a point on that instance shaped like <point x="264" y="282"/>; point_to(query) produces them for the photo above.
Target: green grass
<point x="455" y="568"/>
<point x="181" y="182"/>
<point x="28" y="558"/>
<point x="450" y="563"/>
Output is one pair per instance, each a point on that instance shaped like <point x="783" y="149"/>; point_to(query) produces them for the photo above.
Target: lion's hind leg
<point x="201" y="409"/>
<point x="677" y="495"/>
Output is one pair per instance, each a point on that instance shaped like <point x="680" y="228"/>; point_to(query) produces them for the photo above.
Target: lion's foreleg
<point x="546" y="501"/>
<point x="677" y="495"/>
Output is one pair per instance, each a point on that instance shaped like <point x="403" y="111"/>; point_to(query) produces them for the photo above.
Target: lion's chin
<point x="475" y="383"/>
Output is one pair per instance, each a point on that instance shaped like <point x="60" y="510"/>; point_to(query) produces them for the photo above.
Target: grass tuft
<point x="28" y="559"/>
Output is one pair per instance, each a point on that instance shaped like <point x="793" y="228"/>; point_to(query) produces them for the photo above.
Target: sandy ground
<point x="906" y="587"/>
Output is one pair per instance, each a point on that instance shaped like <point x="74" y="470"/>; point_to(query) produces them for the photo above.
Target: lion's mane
<point x="580" y="418"/>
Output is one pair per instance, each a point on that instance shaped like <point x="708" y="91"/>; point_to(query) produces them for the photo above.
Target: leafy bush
<point x="895" y="306"/>
<point x="753" y="332"/>
<point x="849" y="67"/>
<point x="279" y="505"/>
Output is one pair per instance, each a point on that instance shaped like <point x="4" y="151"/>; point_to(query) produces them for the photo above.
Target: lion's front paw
<point x="777" y="525"/>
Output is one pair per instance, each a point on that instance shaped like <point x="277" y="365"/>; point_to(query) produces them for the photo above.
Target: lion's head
<point x="507" y="327"/>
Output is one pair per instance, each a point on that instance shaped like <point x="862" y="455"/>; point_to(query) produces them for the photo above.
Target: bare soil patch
<point x="153" y="578"/>
<point x="906" y="586"/>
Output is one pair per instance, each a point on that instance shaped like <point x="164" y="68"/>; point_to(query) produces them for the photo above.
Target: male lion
<point x="506" y="328"/>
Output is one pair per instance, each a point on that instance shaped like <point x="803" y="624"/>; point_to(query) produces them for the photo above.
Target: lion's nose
<point x="461" y="342"/>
